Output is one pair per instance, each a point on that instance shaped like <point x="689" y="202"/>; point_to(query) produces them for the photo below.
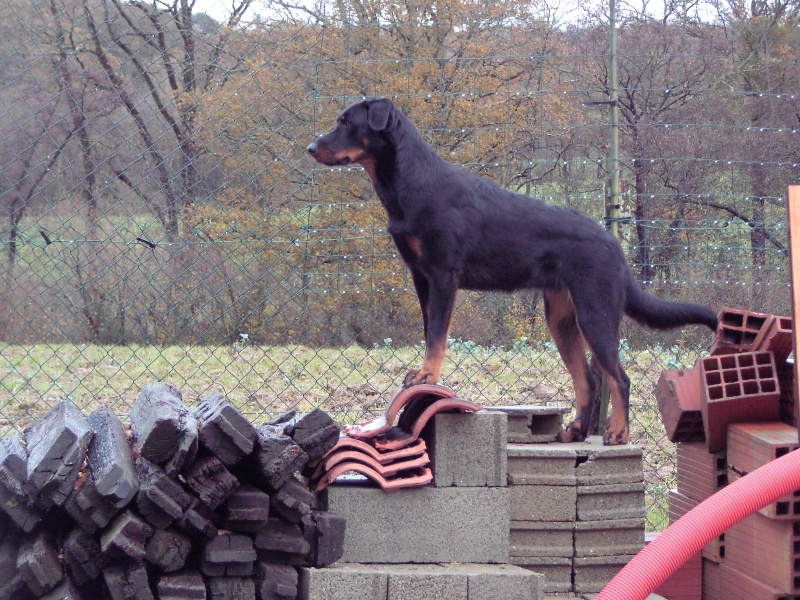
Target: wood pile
<point x="186" y="503"/>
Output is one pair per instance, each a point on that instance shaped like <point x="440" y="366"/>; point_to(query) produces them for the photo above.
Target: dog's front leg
<point x="442" y="295"/>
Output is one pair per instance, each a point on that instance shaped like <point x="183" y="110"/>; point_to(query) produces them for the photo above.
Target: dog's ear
<point x="380" y="111"/>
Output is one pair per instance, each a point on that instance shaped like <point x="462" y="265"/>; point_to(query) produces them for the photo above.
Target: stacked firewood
<point x="185" y="503"/>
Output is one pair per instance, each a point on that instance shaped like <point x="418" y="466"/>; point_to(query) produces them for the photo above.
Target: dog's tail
<point x="661" y="314"/>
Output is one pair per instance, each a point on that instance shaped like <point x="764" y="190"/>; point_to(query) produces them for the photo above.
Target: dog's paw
<point x="571" y="433"/>
<point x="418" y="376"/>
<point x="616" y="438"/>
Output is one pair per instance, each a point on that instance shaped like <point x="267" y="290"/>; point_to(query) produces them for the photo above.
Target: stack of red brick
<point x="730" y="414"/>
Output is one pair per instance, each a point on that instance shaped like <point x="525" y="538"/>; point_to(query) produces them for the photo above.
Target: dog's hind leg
<point x="602" y="336"/>
<point x="563" y="325"/>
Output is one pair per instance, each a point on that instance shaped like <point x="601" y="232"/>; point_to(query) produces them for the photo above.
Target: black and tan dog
<point x="455" y="231"/>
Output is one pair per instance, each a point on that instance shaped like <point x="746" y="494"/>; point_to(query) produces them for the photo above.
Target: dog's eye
<point x="345" y="123"/>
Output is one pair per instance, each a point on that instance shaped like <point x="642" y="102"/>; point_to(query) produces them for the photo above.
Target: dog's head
<point x="358" y="135"/>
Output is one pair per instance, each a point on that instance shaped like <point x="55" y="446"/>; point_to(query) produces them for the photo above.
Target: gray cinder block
<point x="542" y="502"/>
<point x="542" y="538"/>
<point x="557" y="571"/>
<point x="592" y="573"/>
<point x="604" y="502"/>
<point x="468" y="449"/>
<point x="425" y="524"/>
<point x="609" y="538"/>
<point x="57" y="445"/>
<point x="343" y="581"/>
<point x="608" y="465"/>
<point x="542" y="464"/>
<point x="533" y="424"/>
<point x="426" y="582"/>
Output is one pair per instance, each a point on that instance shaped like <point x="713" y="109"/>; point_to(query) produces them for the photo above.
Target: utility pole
<point x="612" y="198"/>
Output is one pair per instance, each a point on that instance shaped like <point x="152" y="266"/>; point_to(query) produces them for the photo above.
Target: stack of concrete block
<point x="447" y="540"/>
<point x="187" y="503"/>
<point x="577" y="511"/>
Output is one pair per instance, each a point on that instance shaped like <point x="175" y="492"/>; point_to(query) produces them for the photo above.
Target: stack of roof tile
<point x="393" y="456"/>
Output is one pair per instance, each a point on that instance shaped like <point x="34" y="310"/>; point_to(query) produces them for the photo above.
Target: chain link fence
<point x="160" y="222"/>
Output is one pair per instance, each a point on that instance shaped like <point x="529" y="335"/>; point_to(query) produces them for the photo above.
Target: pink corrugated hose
<point x="706" y="521"/>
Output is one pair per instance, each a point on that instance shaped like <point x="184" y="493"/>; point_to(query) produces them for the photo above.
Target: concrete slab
<point x="343" y="581"/>
<point x="592" y="573"/>
<point x="467" y="449"/>
<point x="542" y="464"/>
<point x="422" y="525"/>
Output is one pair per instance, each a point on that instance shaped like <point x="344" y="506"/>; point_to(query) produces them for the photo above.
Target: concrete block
<point x="224" y="430"/>
<point x="475" y="521"/>
<point x="542" y="502"/>
<point x="275" y="582"/>
<point x="542" y="538"/>
<point x="542" y="464"/>
<point x="164" y="431"/>
<point x="500" y="582"/>
<point x="533" y="424"/>
<point x="592" y="573"/>
<point x="598" y="464"/>
<point x="187" y="585"/>
<point x="425" y="582"/>
<point x="468" y="449"/>
<point x="557" y="571"/>
<point x="110" y="458"/>
<point x="604" y="502"/>
<point x="57" y="445"/>
<point x="609" y="538"/>
<point x="231" y="588"/>
<point x="343" y="581"/>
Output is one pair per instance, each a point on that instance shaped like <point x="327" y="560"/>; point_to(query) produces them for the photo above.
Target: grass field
<point x="352" y="383"/>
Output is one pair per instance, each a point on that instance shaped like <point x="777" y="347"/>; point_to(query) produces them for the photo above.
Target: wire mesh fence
<point x="159" y="220"/>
